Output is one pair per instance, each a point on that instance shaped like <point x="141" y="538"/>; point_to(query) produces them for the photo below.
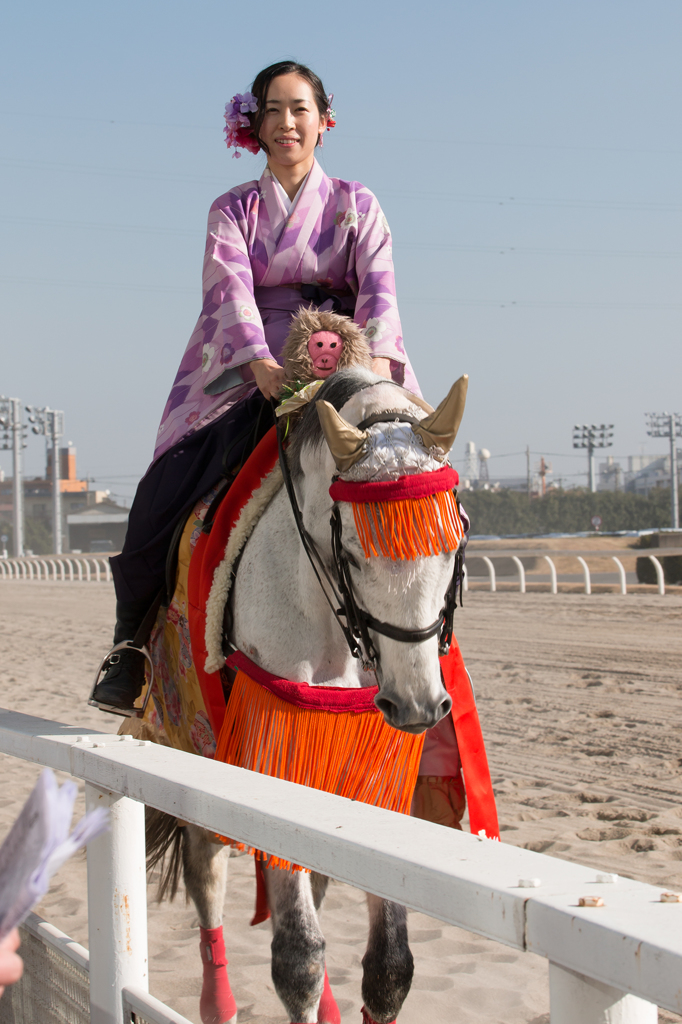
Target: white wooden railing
<point x="56" y="567"/>
<point x="608" y="963"/>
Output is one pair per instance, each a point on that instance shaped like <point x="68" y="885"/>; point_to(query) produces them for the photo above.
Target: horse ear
<point x="345" y="442"/>
<point x="440" y="428"/>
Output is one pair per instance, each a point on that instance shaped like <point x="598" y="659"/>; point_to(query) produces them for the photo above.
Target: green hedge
<point x="37" y="535"/>
<point x="510" y="512"/>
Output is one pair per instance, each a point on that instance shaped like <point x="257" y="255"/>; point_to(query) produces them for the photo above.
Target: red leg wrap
<point x="217" y="1004"/>
<point x="328" y="1012"/>
<point x="366" y="1019"/>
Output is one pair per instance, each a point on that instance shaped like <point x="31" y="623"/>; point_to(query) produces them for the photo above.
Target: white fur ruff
<point x="222" y="577"/>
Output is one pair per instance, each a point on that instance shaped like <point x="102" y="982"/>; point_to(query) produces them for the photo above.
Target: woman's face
<point x="292" y="123"/>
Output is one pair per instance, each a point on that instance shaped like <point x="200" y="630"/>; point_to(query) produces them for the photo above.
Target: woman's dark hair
<point x="261" y="84"/>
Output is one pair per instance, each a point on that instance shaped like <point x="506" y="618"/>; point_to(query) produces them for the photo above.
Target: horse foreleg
<point x="205" y="874"/>
<point x="387" y="964"/>
<point x="297" y="943"/>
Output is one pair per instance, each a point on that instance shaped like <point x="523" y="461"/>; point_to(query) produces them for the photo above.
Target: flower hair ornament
<point x="238" y="129"/>
<point x="331" y="113"/>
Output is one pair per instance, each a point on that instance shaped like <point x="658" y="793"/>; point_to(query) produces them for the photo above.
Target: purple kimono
<point x="336" y="237"/>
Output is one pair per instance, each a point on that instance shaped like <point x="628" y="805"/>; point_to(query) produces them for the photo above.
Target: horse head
<point x="377" y="455"/>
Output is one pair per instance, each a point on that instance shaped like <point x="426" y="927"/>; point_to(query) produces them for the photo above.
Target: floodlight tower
<point x="470" y="461"/>
<point x="10" y="423"/>
<point x="50" y="422"/>
<point x="483" y="456"/>
<point x="669" y="424"/>
<point x="592" y="436"/>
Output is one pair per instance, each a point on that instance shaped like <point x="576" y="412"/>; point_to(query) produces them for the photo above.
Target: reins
<point x="358" y="622"/>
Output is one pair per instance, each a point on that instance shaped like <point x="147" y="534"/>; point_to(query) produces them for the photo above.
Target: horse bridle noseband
<point x="358" y="622"/>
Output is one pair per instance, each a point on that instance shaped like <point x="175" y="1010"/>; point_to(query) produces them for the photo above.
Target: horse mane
<point x="338" y="389"/>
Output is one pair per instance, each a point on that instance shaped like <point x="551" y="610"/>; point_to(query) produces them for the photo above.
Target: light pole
<point x="669" y="424"/>
<point x="592" y="436"/>
<point x="50" y="422"/>
<point x="10" y="422"/>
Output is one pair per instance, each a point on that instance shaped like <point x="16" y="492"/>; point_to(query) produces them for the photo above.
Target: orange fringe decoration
<point x="351" y="754"/>
<point x="411" y="527"/>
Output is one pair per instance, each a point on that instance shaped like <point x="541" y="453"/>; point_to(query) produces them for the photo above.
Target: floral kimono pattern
<point x="335" y="237"/>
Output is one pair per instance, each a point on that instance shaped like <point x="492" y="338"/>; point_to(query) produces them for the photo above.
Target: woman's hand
<point x="381" y="365"/>
<point x="11" y="965"/>
<point x="269" y="376"/>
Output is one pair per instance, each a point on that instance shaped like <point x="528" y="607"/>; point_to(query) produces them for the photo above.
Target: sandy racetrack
<point x="579" y="699"/>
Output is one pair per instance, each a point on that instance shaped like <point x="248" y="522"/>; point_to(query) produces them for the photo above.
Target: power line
<point x="118" y="172"/>
<point x="428" y="300"/>
<point x="431" y="141"/>
<point x="502" y="250"/>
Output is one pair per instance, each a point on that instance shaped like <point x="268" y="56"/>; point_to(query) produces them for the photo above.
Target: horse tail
<point x="165" y="837"/>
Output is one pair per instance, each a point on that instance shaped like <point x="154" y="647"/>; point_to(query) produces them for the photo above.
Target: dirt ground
<point x="579" y="701"/>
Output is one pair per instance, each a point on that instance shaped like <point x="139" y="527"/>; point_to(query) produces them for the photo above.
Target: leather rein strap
<point x="358" y="622"/>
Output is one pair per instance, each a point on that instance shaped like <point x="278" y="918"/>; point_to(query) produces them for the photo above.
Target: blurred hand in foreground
<point x="11" y="965"/>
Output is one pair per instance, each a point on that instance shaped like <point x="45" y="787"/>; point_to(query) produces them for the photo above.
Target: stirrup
<point x="132" y="712"/>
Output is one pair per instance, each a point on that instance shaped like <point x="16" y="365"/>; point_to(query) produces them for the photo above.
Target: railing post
<point x="621" y="573"/>
<point x="659" y="574"/>
<point x="522" y="574"/>
<point x="575" y="999"/>
<point x="552" y="572"/>
<point x="491" y="574"/>
<point x="117" y="906"/>
<point x="586" y="575"/>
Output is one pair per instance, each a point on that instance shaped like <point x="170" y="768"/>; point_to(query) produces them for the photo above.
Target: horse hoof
<point x="328" y="1012"/>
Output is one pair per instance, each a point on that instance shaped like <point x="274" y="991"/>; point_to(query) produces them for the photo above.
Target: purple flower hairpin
<point x="238" y="130"/>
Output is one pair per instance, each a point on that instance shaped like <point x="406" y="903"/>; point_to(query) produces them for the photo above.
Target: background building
<point x="104" y="525"/>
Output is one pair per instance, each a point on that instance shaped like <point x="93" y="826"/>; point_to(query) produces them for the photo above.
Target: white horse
<point x="278" y="616"/>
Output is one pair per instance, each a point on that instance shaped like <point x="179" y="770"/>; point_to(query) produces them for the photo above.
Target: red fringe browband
<point x="404" y="518"/>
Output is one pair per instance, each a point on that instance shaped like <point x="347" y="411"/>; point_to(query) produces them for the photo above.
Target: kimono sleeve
<point x="230" y="325"/>
<point x="376" y="308"/>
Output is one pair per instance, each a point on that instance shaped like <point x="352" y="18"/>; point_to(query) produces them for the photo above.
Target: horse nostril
<point x="445" y="708"/>
<point x="385" y="706"/>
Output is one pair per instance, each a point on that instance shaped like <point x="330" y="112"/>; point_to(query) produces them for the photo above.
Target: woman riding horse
<point x="292" y="238"/>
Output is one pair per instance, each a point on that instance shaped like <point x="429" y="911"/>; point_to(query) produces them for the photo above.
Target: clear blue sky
<point x="527" y="155"/>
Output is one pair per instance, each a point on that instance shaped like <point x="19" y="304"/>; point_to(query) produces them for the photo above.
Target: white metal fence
<point x="613" y="962"/>
<point x="65" y="568"/>
<point x="68" y="568"/>
<point x="488" y="556"/>
<point x="55" y="986"/>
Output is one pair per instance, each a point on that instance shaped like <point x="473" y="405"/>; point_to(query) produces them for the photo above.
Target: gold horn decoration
<point x="440" y="428"/>
<point x="345" y="441"/>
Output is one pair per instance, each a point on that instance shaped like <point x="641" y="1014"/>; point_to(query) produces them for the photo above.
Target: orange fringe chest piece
<point x="404" y="518"/>
<point x="328" y="738"/>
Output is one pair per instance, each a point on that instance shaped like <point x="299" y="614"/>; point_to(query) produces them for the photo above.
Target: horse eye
<point x="333" y="345"/>
<point x="319" y="344"/>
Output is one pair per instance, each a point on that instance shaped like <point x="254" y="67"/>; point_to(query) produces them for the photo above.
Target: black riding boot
<point x="123" y="678"/>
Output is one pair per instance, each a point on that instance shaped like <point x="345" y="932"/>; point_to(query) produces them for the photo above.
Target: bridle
<point x="354" y="622"/>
